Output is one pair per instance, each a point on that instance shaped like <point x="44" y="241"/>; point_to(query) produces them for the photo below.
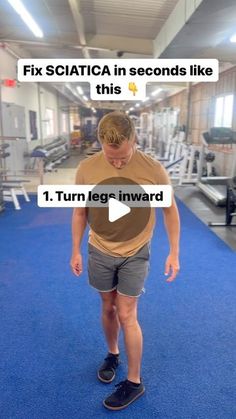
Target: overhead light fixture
<point x="233" y="38"/>
<point x="146" y="99"/>
<point x="85" y="97"/>
<point x="156" y="92"/>
<point x="131" y="109"/>
<point x="26" y="17"/>
<point x="137" y="105"/>
<point x="80" y="90"/>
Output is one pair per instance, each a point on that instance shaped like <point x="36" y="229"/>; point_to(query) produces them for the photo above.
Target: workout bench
<point x="12" y="188"/>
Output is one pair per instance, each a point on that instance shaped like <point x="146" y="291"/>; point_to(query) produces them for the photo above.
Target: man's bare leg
<point x="110" y="321"/>
<point x="127" y="313"/>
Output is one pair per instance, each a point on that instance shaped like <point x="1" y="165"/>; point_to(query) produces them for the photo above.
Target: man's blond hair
<point x="114" y="128"/>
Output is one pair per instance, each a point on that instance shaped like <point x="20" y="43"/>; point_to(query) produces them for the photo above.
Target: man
<point x="116" y="268"/>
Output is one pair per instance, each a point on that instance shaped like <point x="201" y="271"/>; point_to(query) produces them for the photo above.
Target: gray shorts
<point x="125" y="274"/>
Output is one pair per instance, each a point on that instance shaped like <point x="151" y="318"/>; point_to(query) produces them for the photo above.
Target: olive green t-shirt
<point x="143" y="170"/>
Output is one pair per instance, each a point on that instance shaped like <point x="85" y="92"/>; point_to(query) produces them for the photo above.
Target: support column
<point x="189" y="93"/>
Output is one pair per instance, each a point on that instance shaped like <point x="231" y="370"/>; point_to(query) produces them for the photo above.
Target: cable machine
<point x="10" y="185"/>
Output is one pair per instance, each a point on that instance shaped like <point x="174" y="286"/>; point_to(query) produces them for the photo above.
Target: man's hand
<point x="172" y="267"/>
<point x="76" y="264"/>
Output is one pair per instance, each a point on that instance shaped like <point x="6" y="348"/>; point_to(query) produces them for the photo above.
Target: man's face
<point x="119" y="156"/>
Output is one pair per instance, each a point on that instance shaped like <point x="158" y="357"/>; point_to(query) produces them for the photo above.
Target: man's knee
<point x="127" y="311"/>
<point x="108" y="303"/>
<point x="109" y="309"/>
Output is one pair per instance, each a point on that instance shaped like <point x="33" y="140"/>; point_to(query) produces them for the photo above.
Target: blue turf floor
<point x="51" y="339"/>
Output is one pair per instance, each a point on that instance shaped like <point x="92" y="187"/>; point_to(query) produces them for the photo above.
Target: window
<point x="64" y="123"/>
<point x="50" y="122"/>
<point x="224" y="111"/>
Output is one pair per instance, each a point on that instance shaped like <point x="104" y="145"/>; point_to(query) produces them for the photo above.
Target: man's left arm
<point x="172" y="224"/>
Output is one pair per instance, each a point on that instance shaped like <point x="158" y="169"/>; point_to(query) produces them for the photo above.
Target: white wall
<point x="27" y="95"/>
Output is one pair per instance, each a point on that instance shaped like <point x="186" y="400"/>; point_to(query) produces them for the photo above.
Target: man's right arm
<point x="79" y="223"/>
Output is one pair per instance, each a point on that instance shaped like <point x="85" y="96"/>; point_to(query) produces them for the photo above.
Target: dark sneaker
<point x="125" y="394"/>
<point x="106" y="372"/>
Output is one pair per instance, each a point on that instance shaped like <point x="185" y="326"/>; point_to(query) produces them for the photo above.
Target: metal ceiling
<point x="134" y="19"/>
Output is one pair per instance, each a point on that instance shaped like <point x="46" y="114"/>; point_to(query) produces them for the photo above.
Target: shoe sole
<point x="105" y="381"/>
<point x="108" y="381"/>
<point x="124" y="406"/>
